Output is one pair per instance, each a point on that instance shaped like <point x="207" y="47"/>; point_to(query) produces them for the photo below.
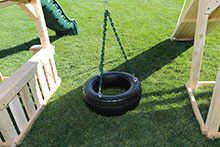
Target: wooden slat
<point x="43" y="82"/>
<point x="205" y="83"/>
<point x="54" y="69"/>
<point x="19" y="138"/>
<point x="213" y="118"/>
<point x="201" y="27"/>
<point x="41" y="25"/>
<point x="10" y="88"/>
<point x="7" y="128"/>
<point x="18" y="113"/>
<point x="29" y="10"/>
<point x="35" y="89"/>
<point x="28" y="102"/>
<point x="49" y="74"/>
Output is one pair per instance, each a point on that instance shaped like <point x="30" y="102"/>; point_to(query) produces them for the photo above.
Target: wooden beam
<point x="7" y="3"/>
<point x="213" y="118"/>
<point x="196" y="109"/>
<point x="211" y="6"/>
<point x="29" y="10"/>
<point x="7" y="144"/>
<point x="41" y="25"/>
<point x="200" y="34"/>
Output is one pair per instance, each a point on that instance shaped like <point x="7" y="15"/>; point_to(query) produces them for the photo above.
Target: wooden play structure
<point x="26" y="92"/>
<point x="200" y="18"/>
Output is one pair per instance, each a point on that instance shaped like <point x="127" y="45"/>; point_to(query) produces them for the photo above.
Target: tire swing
<point x="112" y="105"/>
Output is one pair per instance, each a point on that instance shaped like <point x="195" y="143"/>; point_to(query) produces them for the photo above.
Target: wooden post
<point x="213" y="118"/>
<point x="201" y="27"/>
<point x="1" y="77"/>
<point x="41" y="25"/>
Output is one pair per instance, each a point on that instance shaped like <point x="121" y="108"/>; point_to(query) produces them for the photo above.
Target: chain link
<point x="106" y="15"/>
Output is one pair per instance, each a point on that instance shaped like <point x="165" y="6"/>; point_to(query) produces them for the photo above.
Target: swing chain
<point x="120" y="44"/>
<point x="105" y="3"/>
<point x="107" y="14"/>
<point x="103" y="54"/>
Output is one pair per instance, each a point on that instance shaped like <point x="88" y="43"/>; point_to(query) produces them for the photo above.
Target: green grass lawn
<point x="164" y="116"/>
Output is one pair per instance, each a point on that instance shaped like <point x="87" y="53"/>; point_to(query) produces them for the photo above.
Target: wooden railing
<point x="24" y="95"/>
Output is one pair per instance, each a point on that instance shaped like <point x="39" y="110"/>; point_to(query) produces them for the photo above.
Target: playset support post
<point x="199" y="19"/>
<point x="199" y="42"/>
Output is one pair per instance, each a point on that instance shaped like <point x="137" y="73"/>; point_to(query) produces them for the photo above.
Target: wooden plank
<point x="41" y="25"/>
<point x="10" y="88"/>
<point x="196" y="109"/>
<point x="43" y="82"/>
<point x="29" y="10"/>
<point x="18" y="113"/>
<point x="35" y="89"/>
<point x="27" y="101"/>
<point x="7" y="144"/>
<point x="205" y="83"/>
<point x="7" y="128"/>
<point x="7" y="3"/>
<point x="212" y="135"/>
<point x="213" y="118"/>
<point x="202" y="20"/>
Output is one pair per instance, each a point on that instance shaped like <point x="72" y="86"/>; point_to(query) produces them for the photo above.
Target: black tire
<point x="112" y="105"/>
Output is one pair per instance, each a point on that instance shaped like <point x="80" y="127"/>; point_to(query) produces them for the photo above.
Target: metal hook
<point x="135" y="78"/>
<point x="105" y="4"/>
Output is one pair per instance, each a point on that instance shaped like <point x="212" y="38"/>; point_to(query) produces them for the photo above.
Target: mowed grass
<point x="164" y="116"/>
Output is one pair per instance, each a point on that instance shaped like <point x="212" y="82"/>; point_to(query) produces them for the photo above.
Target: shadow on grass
<point x="155" y="58"/>
<point x="23" y="47"/>
<point x="67" y="122"/>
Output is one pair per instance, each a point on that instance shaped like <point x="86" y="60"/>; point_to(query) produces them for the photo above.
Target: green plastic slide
<point x="57" y="20"/>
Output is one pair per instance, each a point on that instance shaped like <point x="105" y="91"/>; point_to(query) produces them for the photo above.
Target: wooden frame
<point x="30" y="79"/>
<point x="200" y="18"/>
<point x="24" y="95"/>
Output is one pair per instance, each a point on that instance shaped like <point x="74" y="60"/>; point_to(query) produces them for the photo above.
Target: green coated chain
<point x="106" y="15"/>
